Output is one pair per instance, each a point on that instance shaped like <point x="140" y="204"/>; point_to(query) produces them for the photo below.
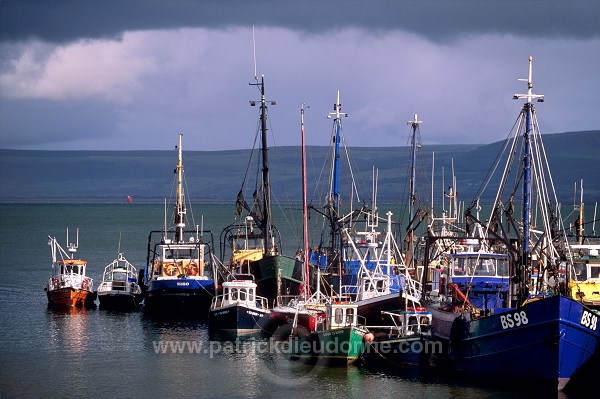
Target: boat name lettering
<point x="183" y="283"/>
<point x="589" y="320"/>
<point x="329" y="333"/>
<point x="515" y="319"/>
<point x="254" y="313"/>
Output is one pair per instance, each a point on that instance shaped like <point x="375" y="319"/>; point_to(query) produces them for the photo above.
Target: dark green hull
<point x="338" y="347"/>
<point x="276" y="275"/>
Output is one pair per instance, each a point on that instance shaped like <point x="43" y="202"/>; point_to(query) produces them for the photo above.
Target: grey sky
<point x="133" y="74"/>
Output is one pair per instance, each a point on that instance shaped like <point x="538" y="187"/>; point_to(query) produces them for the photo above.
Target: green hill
<point x="217" y="176"/>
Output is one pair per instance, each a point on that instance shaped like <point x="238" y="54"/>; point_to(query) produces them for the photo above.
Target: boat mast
<point x="414" y="126"/>
<point x="337" y="125"/>
<point x="412" y="199"/>
<point x="580" y="224"/>
<point x="180" y="202"/>
<point x="306" y="287"/>
<point x="334" y="200"/>
<point x="528" y="110"/>
<point x="265" y="226"/>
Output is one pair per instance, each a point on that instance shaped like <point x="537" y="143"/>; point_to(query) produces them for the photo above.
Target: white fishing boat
<point x="119" y="288"/>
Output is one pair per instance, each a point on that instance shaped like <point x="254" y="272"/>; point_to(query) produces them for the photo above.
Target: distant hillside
<point x="217" y="176"/>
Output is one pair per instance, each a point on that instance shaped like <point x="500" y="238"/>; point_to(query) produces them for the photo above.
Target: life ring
<point x="85" y="284"/>
<point x="192" y="269"/>
<point x="170" y="269"/>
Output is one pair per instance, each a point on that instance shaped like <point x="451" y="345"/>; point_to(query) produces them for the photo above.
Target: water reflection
<point x="69" y="329"/>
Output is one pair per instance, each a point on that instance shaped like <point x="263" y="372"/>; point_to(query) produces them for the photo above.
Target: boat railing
<point x="286" y="300"/>
<point x="75" y="281"/>
<point x="348" y="292"/>
<point x="130" y="287"/>
<point x="259" y="302"/>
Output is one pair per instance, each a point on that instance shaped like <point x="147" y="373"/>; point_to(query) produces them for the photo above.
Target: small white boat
<point x="119" y="288"/>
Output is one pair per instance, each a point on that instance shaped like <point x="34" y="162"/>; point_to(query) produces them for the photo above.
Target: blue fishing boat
<point x="530" y="329"/>
<point x="179" y="276"/>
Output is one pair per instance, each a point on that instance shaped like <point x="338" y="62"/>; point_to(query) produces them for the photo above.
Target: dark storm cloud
<point x="439" y="20"/>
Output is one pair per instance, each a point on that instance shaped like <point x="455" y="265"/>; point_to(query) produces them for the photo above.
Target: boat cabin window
<point x="479" y="266"/>
<point x="344" y="316"/>
<point x="181" y="253"/>
<point x="502" y="267"/>
<point x="594" y="271"/>
<point x="339" y="316"/>
<point x="119" y="276"/>
<point x="68" y="269"/>
<point x="349" y="316"/>
<point x="241" y="294"/>
<point x="579" y="270"/>
<point x="376" y="285"/>
<point x="242" y="243"/>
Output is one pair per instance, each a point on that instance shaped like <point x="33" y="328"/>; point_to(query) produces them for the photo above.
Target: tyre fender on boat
<point x="193" y="269"/>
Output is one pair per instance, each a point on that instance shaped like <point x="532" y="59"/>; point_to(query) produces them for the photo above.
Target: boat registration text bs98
<point x="515" y="319"/>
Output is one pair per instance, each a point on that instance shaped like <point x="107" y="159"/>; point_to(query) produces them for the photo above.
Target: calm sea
<point x="102" y="354"/>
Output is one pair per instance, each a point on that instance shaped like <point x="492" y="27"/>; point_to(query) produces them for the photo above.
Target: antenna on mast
<point x="254" y="53"/>
<point x="529" y="96"/>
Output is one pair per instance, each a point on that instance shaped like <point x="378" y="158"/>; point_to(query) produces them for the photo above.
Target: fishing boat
<point x="252" y="243"/>
<point x="541" y="335"/>
<point x="119" y="289"/>
<point x="400" y="345"/>
<point x="360" y="262"/>
<point x="585" y="283"/>
<point x="338" y="341"/>
<point x="179" y="275"/>
<point x="585" y="253"/>
<point x="68" y="285"/>
<point x="238" y="310"/>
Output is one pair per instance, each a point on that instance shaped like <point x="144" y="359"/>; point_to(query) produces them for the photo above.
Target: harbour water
<point x="100" y="354"/>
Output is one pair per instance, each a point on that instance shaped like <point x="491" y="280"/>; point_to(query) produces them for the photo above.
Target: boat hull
<point x="401" y="355"/>
<point x="118" y="300"/>
<point x="557" y="332"/>
<point x="237" y="320"/>
<point x="282" y="322"/>
<point x="337" y="347"/>
<point x="275" y="276"/>
<point x="188" y="296"/>
<point x="69" y="296"/>
<point x="371" y="308"/>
